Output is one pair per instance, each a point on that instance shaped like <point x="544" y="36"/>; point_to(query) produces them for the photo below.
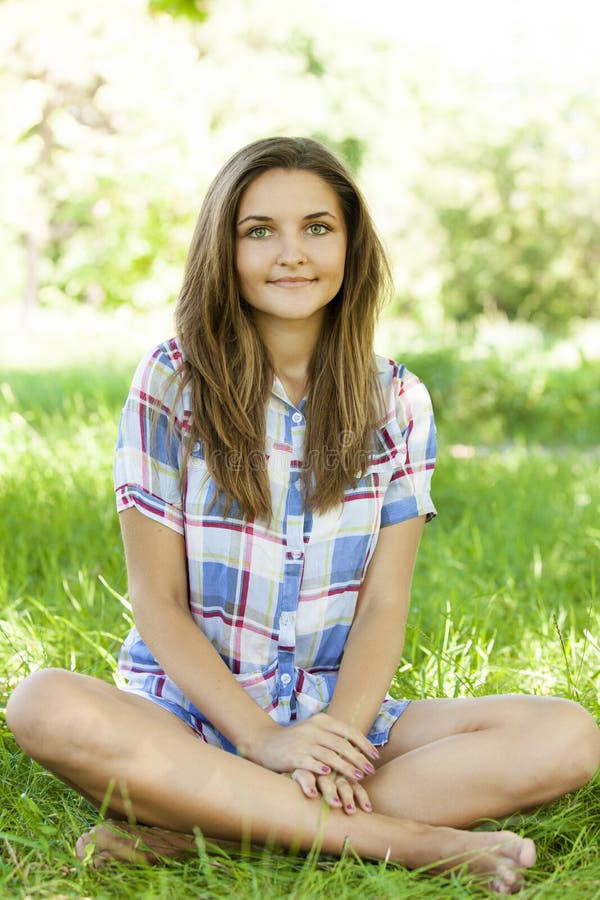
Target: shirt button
<point x="297" y="418"/>
<point x="285" y="679"/>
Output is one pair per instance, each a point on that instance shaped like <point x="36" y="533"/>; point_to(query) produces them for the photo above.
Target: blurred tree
<point x="114" y="117"/>
<point x="523" y="238"/>
<point x="57" y="216"/>
<point x="84" y="200"/>
<point x="195" y="10"/>
<point x="351" y="149"/>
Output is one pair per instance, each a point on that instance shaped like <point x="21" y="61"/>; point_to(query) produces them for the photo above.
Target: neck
<point x="290" y="345"/>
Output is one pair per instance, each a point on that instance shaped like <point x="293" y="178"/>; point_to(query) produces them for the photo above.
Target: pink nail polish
<point x="374" y="754"/>
<point x="358" y="774"/>
<point x="325" y="770"/>
<point x="368" y="807"/>
<point x="369" y="769"/>
<point x="349" y="808"/>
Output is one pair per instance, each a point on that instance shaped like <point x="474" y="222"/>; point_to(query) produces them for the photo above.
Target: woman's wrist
<point x="253" y="739"/>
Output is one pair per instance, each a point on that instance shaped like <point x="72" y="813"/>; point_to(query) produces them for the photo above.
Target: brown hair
<point x="226" y="362"/>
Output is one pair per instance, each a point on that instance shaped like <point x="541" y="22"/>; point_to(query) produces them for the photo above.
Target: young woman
<point x="272" y="479"/>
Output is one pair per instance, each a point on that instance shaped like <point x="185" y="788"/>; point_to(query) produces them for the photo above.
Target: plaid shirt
<point x="277" y="601"/>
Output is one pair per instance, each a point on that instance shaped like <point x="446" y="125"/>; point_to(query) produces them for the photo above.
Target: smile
<point x="292" y="282"/>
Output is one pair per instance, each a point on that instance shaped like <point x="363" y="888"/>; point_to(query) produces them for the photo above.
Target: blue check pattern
<point x="276" y="600"/>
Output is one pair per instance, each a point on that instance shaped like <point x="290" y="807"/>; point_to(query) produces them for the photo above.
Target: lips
<point x="292" y="282"/>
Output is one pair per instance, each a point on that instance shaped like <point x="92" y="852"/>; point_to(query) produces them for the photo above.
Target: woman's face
<point x="290" y="245"/>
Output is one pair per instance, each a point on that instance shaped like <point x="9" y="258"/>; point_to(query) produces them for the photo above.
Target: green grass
<point x="502" y="398"/>
<point x="504" y="599"/>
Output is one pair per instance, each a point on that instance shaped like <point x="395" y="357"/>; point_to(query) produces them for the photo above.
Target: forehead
<point x="280" y="191"/>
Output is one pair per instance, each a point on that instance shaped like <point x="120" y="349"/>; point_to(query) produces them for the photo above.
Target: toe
<point x="527" y="853"/>
<point x="509" y="877"/>
<point x="83" y="850"/>
<point x="80" y="847"/>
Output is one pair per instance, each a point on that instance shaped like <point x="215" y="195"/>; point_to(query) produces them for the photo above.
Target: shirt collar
<point x="279" y="391"/>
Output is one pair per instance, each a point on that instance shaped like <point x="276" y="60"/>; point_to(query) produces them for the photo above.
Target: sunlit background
<point x="472" y="127"/>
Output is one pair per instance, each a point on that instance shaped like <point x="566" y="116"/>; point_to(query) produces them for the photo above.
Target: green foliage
<point x="519" y="233"/>
<point x="486" y="193"/>
<point x="351" y="149"/>
<point x="313" y="63"/>
<point x="112" y="259"/>
<point x="195" y="10"/>
<point x="515" y="399"/>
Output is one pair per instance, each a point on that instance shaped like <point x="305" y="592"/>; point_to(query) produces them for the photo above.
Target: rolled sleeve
<point x="148" y="453"/>
<point x="409" y="491"/>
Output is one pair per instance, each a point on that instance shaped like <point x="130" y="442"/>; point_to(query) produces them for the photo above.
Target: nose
<point x="291" y="251"/>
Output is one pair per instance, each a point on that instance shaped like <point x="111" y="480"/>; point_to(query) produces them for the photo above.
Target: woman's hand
<point x="320" y="745"/>
<point x="335" y="789"/>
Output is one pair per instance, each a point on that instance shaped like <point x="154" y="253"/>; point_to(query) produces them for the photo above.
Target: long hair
<point x="227" y="365"/>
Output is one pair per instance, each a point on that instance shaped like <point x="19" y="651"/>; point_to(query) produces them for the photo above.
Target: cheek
<point x="335" y="263"/>
<point x="250" y="261"/>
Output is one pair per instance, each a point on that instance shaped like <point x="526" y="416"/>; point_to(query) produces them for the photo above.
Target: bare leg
<point x="164" y="776"/>
<point x="451" y="762"/>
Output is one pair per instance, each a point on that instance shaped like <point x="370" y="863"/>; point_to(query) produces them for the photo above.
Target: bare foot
<point x="499" y="858"/>
<point x="131" y="843"/>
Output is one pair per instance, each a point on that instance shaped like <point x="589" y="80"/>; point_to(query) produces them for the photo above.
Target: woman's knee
<point x="40" y="709"/>
<point x="570" y="742"/>
<point x="585" y="742"/>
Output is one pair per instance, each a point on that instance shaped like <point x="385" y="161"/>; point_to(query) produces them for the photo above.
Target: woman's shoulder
<point x="167" y="356"/>
<point x="396" y="375"/>
<point x="405" y="396"/>
<point x="162" y="361"/>
<point x="155" y="379"/>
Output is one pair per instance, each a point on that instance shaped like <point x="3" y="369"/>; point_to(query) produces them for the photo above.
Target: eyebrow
<point x="315" y="215"/>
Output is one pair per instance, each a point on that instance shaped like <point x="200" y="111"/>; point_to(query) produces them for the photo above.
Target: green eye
<point x="317" y="228"/>
<point x="259" y="232"/>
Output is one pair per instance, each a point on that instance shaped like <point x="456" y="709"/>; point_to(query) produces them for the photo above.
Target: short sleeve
<point x="148" y="453"/>
<point x="413" y="429"/>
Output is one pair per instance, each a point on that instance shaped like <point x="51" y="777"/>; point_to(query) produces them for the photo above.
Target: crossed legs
<point x="451" y="762"/>
<point x="447" y="763"/>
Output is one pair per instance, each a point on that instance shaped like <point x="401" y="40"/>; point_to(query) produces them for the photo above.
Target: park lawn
<point x="504" y="599"/>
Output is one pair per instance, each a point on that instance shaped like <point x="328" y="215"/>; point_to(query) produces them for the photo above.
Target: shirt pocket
<point x="313" y="693"/>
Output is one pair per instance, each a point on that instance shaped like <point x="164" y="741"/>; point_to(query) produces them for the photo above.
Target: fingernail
<point x="313" y="792"/>
<point x="369" y="769"/>
<point x="374" y="754"/>
<point x="368" y="807"/>
<point x="358" y="774"/>
<point x="335" y="801"/>
<point x="350" y="808"/>
<point x="325" y="770"/>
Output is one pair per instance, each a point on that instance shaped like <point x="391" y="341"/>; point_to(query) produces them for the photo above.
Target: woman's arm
<point x="157" y="574"/>
<point x="372" y="652"/>
<point x="156" y="567"/>
<point x="376" y="639"/>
